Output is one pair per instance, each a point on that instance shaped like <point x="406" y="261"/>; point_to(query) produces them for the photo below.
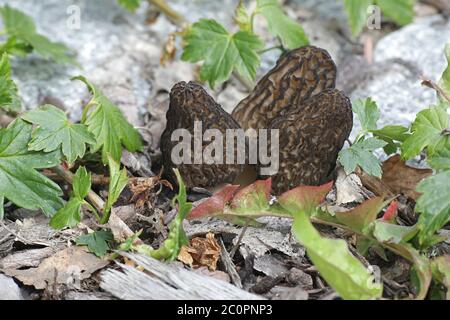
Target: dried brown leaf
<point x="185" y="256"/>
<point x="66" y="267"/>
<point x="202" y="252"/>
<point x="401" y="178"/>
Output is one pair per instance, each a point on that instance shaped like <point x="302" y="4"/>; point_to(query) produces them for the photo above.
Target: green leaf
<point x="15" y="47"/>
<point x="55" y="131"/>
<point x="427" y="132"/>
<point x="332" y="258"/>
<point x="22" y="28"/>
<point x="214" y="205"/>
<point x="433" y="204"/>
<point x="9" y="99"/>
<point x="97" y="242"/>
<point x="117" y="182"/>
<point x="401" y="11"/>
<point x="363" y="215"/>
<point x="218" y="206"/>
<point x="360" y="154"/>
<point x="131" y="5"/>
<point x="177" y="237"/>
<point x="440" y="267"/>
<point x="221" y="51"/>
<point x="393" y="132"/>
<point x="357" y="14"/>
<point x="110" y="128"/>
<point x="5" y="67"/>
<point x="304" y="198"/>
<point x="2" y="209"/>
<point x="19" y="181"/>
<point x="439" y="163"/>
<point x="390" y="134"/>
<point x="444" y="82"/>
<point x="253" y="198"/>
<point x="242" y="18"/>
<point x="47" y="49"/>
<point x="289" y="31"/>
<point x="68" y="216"/>
<point x="367" y="112"/>
<point x="421" y="273"/>
<point x="391" y="233"/>
<point x="81" y="183"/>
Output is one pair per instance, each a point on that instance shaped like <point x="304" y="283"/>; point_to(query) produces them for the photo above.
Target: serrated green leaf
<point x="367" y="112"/>
<point x="97" y="242"/>
<point x="439" y="163"/>
<point x="401" y="11"/>
<point x="109" y="126"/>
<point x="9" y="99"/>
<point x="5" y="67"/>
<point x="289" y="31"/>
<point x="22" y="28"/>
<point x="19" y="180"/>
<point x="131" y="5"/>
<point x="81" y="183"/>
<point x="15" y="47"/>
<point x="242" y="18"/>
<point x="68" y="216"/>
<point x="391" y="134"/>
<point x="357" y="14"/>
<point x="332" y="258"/>
<point x="361" y="154"/>
<point x="444" y="82"/>
<point x="427" y="132"/>
<point x="221" y="52"/>
<point x="55" y="131"/>
<point x="16" y="22"/>
<point x="117" y="182"/>
<point x="433" y="204"/>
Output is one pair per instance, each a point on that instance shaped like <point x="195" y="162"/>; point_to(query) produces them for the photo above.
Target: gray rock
<point x="300" y="278"/>
<point x="421" y="43"/>
<point x="326" y="10"/>
<point x="9" y="290"/>
<point x="120" y="53"/>
<point x="394" y="79"/>
<point x="270" y="266"/>
<point x="288" y="293"/>
<point x="117" y="50"/>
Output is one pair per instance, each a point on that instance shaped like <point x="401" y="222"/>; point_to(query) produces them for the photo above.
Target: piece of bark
<point x="401" y="178"/>
<point x="230" y="268"/>
<point x="162" y="281"/>
<point x="26" y="258"/>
